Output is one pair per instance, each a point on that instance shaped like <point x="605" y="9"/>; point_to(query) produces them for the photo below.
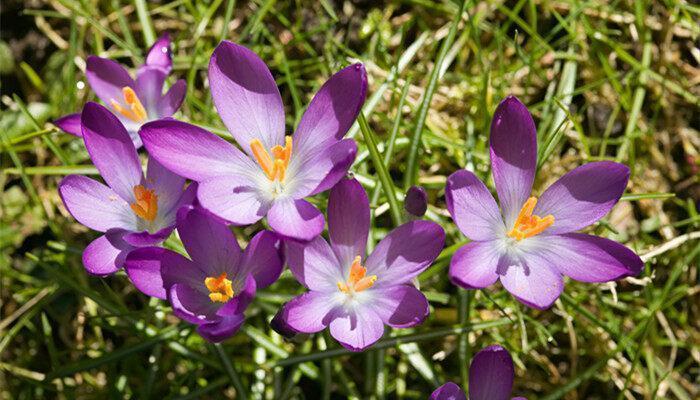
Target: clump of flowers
<point x="530" y="243"/>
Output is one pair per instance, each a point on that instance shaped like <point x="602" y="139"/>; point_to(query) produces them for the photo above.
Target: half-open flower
<point x="356" y="295"/>
<point x="135" y="102"/>
<point x="215" y="285"/>
<point x="490" y="378"/>
<point x="131" y="209"/>
<point x="273" y="174"/>
<point x="530" y="243"/>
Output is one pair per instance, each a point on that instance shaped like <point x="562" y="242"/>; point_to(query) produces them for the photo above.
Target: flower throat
<point x="528" y="225"/>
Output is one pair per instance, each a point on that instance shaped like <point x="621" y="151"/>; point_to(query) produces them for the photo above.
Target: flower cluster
<point x="528" y="243"/>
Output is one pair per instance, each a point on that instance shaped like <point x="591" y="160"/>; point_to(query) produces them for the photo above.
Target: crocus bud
<point x="416" y="201"/>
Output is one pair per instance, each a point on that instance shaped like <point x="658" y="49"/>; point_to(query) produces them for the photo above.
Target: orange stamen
<point x="528" y="225"/>
<point x="275" y="167"/>
<point x="146" y="205"/>
<point x="357" y="281"/>
<point x="219" y="287"/>
<point x="135" y="110"/>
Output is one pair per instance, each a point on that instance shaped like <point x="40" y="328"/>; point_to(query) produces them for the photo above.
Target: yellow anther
<point x="275" y="167"/>
<point x="357" y="281"/>
<point x="219" y="287"/>
<point x="528" y="225"/>
<point x="146" y="205"/>
<point x="134" y="110"/>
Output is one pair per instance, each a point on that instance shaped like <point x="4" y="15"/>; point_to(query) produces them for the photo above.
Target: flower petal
<point x="491" y="374"/>
<point x="246" y="96"/>
<point x="144" y="265"/>
<point x="310" y="312"/>
<point x="70" y="123"/>
<point x="405" y="252"/>
<point x="357" y="329"/>
<point x="107" y="78"/>
<point x="95" y="205"/>
<point x="323" y="170"/>
<point x="160" y="54"/>
<point x="474" y="265"/>
<point x="448" y="391"/>
<point x="416" y="201"/>
<point x="172" y="100"/>
<point x="146" y="238"/>
<point x="583" y="195"/>
<point x="149" y="88"/>
<point x="513" y="145"/>
<point x="106" y="254"/>
<point x="111" y="150"/>
<point x="262" y="259"/>
<point x="296" y="219"/>
<point x="532" y="280"/>
<point x="472" y="206"/>
<point x="332" y="110"/>
<point x="193" y="152"/>
<point x="192" y="305"/>
<point x="315" y="265"/>
<point x="399" y="306"/>
<point x="233" y="198"/>
<point x="348" y="220"/>
<point x="222" y="329"/>
<point x="588" y="258"/>
<point x="167" y="185"/>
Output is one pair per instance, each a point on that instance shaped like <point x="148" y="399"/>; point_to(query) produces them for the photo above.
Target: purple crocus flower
<point x="132" y="210"/>
<point x="274" y="173"/>
<point x="490" y="378"/>
<point x="134" y="102"/>
<point x="354" y="295"/>
<point x="213" y="288"/>
<point x="529" y="244"/>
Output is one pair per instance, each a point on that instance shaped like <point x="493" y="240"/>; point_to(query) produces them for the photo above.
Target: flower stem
<point x="232" y="374"/>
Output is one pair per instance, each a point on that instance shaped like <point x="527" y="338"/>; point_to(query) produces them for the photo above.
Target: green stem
<point x="149" y="34"/>
<point x="232" y="374"/>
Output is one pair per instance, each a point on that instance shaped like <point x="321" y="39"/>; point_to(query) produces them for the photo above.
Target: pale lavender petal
<point x="187" y="197"/>
<point x="149" y="88"/>
<point x="587" y="258"/>
<point x="246" y="96"/>
<point x="399" y="306"/>
<point x="111" y="150"/>
<point x="405" y="252"/>
<point x="222" y="329"/>
<point x="448" y="391"/>
<point x="491" y="374"/>
<point x="167" y="185"/>
<point x="348" y="220"/>
<point x="315" y="265"/>
<point x="106" y="254"/>
<point x="332" y="110"/>
<point x="416" y="201"/>
<point x="160" y="54"/>
<point x="192" y="305"/>
<point x="323" y="169"/>
<point x="234" y="198"/>
<point x="95" y="205"/>
<point x="309" y="313"/>
<point x="193" y="152"/>
<point x="357" y="329"/>
<point x="262" y="259"/>
<point x="172" y="100"/>
<point x="107" y="78"/>
<point x="70" y="123"/>
<point x="583" y="195"/>
<point x="472" y="206"/>
<point x="513" y="155"/>
<point x="296" y="219"/>
<point x="532" y="280"/>
<point x="474" y="265"/>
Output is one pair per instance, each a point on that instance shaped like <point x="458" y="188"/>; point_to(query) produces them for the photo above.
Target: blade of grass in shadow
<point x="232" y="374"/>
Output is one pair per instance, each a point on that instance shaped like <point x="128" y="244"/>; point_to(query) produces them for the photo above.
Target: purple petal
<point x="246" y="96"/>
<point x="234" y="198"/>
<point x="106" y="254"/>
<point x="296" y="219"/>
<point x="149" y="88"/>
<point x="532" y="280"/>
<point x="146" y="238"/>
<point x="348" y="220"/>
<point x="111" y="150"/>
<point x="167" y="185"/>
<point x="491" y="374"/>
<point x="209" y="242"/>
<point x="70" y="123"/>
<point x="107" y="78"/>
<point x="95" y="205"/>
<point x="220" y="330"/>
<point x="448" y="391"/>
<point x="187" y="197"/>
<point x="192" y="305"/>
<point x="474" y="265"/>
<point x="143" y="266"/>
<point x="310" y="312"/>
<point x="513" y="155"/>
<point x="400" y="306"/>
<point x="588" y="258"/>
<point x="405" y="252"/>
<point x="172" y="100"/>
<point x="315" y="265"/>
<point x="357" y="329"/>
<point x="333" y="110"/>
<point x="583" y="195"/>
<point x="193" y="152"/>
<point x="280" y="325"/>
<point x="416" y="201"/>
<point x="160" y="54"/>
<point x="262" y="259"/>
<point x="324" y="169"/>
<point x="472" y="207"/>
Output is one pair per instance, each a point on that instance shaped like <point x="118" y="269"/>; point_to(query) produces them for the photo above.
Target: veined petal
<point x="513" y="145"/>
<point x="263" y="259"/>
<point x="323" y="170"/>
<point x="167" y="185"/>
<point x="472" y="207"/>
<point x="348" y="220"/>
<point x="475" y="265"/>
<point x="399" y="306"/>
<point x="315" y="265"/>
<point x="70" y="123"/>
<point x="153" y="270"/>
<point x="532" y="280"/>
<point x="583" y="195"/>
<point x="160" y="54"/>
<point x="332" y="110"/>
<point x="95" y="205"/>
<point x="295" y="219"/>
<point x="311" y="312"/>
<point x="192" y="305"/>
<point x="172" y="100"/>
<point x="106" y="254"/>
<point x="111" y="150"/>
<point x="491" y="374"/>
<point x="448" y="391"/>
<point x="149" y="88"/>
<point x="222" y="329"/>
<point x="357" y="328"/>
<point x="246" y="96"/>
<point x="234" y="198"/>
<point x="107" y="78"/>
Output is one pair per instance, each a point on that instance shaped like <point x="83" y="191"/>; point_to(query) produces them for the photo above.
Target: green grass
<point x="605" y="80"/>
